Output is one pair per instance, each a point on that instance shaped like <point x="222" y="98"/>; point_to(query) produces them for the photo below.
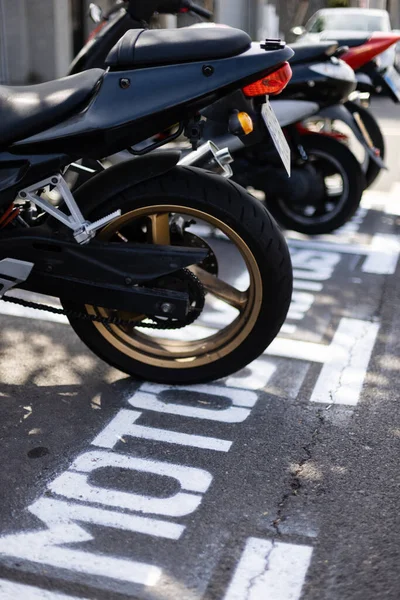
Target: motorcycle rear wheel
<point x="315" y="215"/>
<point x="256" y="302"/>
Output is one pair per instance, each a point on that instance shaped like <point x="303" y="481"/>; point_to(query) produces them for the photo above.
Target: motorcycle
<point x="327" y="182"/>
<point x="330" y="207"/>
<point x="129" y="254"/>
<point x="363" y="55"/>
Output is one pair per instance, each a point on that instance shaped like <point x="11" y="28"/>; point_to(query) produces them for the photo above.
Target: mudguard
<point x="339" y="112"/>
<point x="122" y="176"/>
<point x="293" y="111"/>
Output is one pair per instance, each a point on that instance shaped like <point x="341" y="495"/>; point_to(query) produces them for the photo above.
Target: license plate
<point x="392" y="80"/>
<point x="277" y="136"/>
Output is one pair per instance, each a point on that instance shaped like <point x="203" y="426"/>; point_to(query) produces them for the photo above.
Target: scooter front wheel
<point x="246" y="280"/>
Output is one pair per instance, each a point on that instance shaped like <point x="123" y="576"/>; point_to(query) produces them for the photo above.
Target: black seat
<point x="311" y="52"/>
<point x="152" y="47"/>
<point x="27" y="110"/>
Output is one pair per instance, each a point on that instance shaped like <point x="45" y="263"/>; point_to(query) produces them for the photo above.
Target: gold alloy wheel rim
<point x="174" y="354"/>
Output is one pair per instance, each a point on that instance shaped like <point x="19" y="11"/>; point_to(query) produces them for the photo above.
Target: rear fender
<point x="115" y="180"/>
<point x="341" y="113"/>
<point x="289" y="112"/>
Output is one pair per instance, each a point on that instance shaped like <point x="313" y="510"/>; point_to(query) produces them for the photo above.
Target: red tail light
<point x="377" y="43"/>
<point x="271" y="84"/>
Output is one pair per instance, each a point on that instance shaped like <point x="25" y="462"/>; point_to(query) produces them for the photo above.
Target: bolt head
<point x="124" y="83"/>
<point x="167" y="308"/>
<point x="208" y="70"/>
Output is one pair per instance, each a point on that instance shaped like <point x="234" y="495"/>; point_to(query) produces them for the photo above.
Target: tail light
<point x="271" y="84"/>
<point x="377" y="43"/>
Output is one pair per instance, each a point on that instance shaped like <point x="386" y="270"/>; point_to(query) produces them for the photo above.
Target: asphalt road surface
<point x="278" y="483"/>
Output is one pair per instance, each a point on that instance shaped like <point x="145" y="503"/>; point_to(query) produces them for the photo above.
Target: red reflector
<point x="271" y="84"/>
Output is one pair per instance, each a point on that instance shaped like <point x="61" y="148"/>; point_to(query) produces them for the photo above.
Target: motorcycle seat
<point x="154" y="47"/>
<point x="312" y="52"/>
<point x="27" y="110"/>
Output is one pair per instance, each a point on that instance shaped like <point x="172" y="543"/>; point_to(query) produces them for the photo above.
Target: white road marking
<point x="10" y="590"/>
<point x="261" y="372"/>
<point x="343" y="374"/>
<point x="384" y="255"/>
<point x="58" y="512"/>
<point x="309" y="351"/>
<point x="311" y="286"/>
<point x="270" y="571"/>
<point x="48" y="547"/>
<point x="288" y="329"/>
<point x="123" y="426"/>
<point x="242" y="401"/>
<point x="77" y="486"/>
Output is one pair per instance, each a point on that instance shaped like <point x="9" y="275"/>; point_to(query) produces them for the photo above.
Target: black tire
<point x="375" y="133"/>
<point x="338" y="158"/>
<point x="228" y="203"/>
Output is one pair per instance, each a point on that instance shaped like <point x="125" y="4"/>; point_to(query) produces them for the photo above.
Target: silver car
<point x="339" y="23"/>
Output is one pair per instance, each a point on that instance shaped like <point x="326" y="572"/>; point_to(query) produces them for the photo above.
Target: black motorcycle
<point x="308" y="202"/>
<point x="129" y="254"/>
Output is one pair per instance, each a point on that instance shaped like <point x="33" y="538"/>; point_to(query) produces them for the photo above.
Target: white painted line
<point x="288" y="329"/>
<point x="260" y="372"/>
<point x="123" y="424"/>
<point x="10" y="590"/>
<point x="331" y="246"/>
<point x="342" y="377"/>
<point x="384" y="256"/>
<point x="310" y="351"/>
<point x="311" y="286"/>
<point x="270" y="571"/>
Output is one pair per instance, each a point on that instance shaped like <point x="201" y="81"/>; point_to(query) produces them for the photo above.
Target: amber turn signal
<point x="240" y="123"/>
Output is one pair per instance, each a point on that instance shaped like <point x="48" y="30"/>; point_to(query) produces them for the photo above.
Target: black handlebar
<point x="199" y="10"/>
<point x="142" y="10"/>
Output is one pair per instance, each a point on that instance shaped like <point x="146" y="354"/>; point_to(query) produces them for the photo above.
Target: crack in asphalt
<point x="254" y="579"/>
<point x="333" y="393"/>
<point x="295" y="482"/>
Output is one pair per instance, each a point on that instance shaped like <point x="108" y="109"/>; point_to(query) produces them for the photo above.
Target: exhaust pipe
<point x="211" y="158"/>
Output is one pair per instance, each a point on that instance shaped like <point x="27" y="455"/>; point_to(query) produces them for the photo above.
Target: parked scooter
<point x="362" y="53"/>
<point x="127" y="255"/>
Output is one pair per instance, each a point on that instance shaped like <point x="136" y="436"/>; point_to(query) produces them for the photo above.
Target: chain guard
<point x="193" y="314"/>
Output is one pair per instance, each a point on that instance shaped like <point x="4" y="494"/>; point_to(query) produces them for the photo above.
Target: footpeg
<point x="89" y="229"/>
<point x="12" y="273"/>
